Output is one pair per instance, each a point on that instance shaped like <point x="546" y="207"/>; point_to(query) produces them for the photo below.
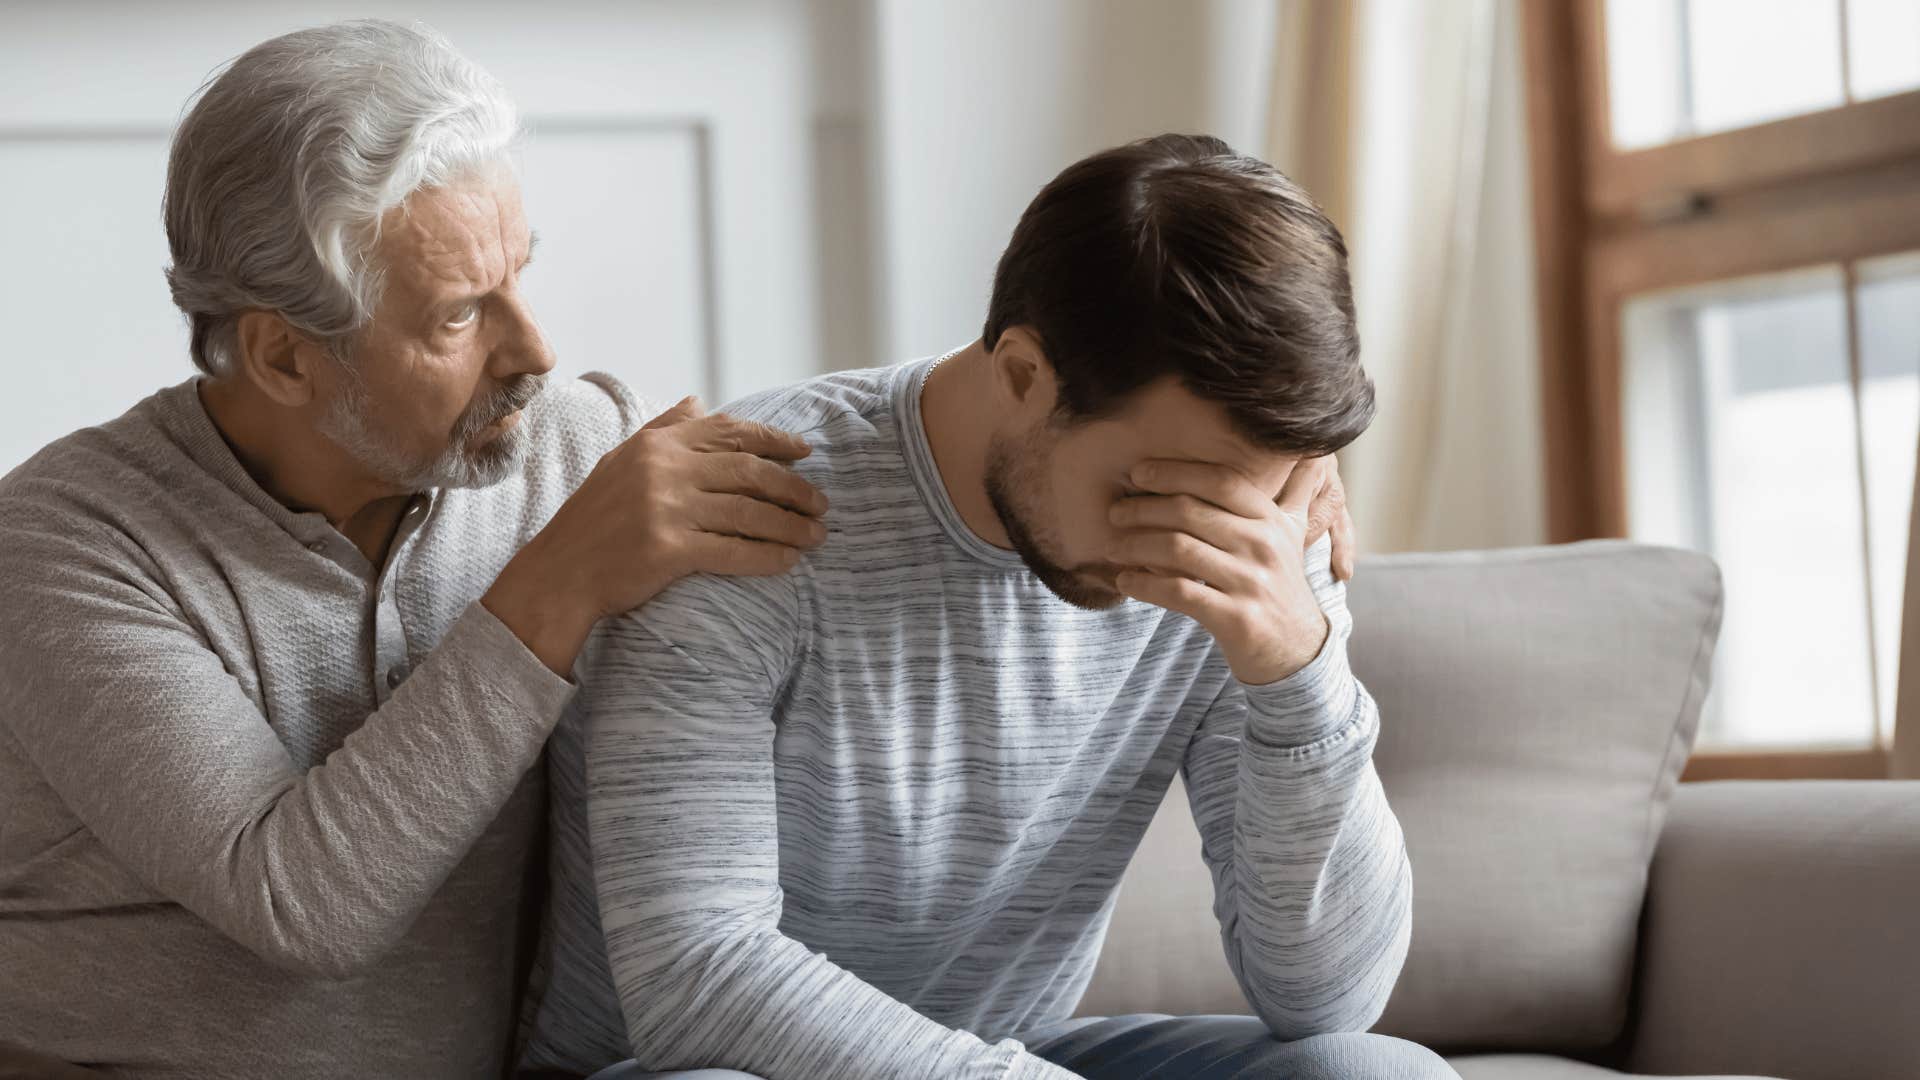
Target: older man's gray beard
<point x="349" y="424"/>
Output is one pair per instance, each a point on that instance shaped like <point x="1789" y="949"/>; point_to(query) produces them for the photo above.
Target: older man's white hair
<point x="283" y="167"/>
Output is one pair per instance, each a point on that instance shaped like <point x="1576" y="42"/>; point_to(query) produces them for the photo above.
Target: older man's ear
<point x="274" y="357"/>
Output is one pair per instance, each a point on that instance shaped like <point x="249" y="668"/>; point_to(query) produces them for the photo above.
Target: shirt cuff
<point x="499" y="658"/>
<point x="1309" y="705"/>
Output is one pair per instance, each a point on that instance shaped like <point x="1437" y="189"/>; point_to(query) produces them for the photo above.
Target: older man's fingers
<point x="1303" y="487"/>
<point x="1345" y="547"/>
<point x="756" y="519"/>
<point x="717" y="554"/>
<point x="1328" y="503"/>
<point x="687" y="408"/>
<point x="742" y="473"/>
<point x="730" y="434"/>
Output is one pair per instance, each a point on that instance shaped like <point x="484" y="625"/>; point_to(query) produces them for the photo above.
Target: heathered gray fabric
<point x="865" y="819"/>
<point x="228" y="847"/>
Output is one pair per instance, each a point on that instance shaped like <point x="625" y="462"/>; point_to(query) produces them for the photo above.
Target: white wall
<point x="980" y="104"/>
<point x="730" y="195"/>
<point x="671" y="169"/>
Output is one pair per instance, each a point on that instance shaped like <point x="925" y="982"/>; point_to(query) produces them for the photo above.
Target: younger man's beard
<point x="1013" y="486"/>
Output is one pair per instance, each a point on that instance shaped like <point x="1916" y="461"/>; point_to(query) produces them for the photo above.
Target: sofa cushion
<point x="1537" y="706"/>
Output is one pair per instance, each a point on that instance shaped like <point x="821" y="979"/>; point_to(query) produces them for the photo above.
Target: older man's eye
<point x="464" y="316"/>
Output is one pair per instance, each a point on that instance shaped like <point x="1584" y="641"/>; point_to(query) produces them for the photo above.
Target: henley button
<point x="394" y="675"/>
<point x="317" y="546"/>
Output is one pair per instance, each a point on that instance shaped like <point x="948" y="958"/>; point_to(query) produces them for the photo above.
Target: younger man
<point x="867" y="820"/>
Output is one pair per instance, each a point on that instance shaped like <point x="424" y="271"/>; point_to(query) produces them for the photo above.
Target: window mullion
<point x="1849" y="284"/>
<point x="1846" y="54"/>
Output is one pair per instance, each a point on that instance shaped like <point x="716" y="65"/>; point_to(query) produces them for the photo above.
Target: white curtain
<point x="1404" y="118"/>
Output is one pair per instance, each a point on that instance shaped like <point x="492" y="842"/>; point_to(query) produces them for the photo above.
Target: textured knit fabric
<point x="1148" y="1047"/>
<point x="268" y="809"/>
<point x="865" y="819"/>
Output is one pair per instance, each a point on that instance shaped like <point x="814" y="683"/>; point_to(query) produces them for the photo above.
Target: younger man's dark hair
<point x="1177" y="256"/>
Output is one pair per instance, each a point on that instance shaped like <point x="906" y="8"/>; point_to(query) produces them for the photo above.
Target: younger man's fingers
<point x="1182" y="594"/>
<point x="1171" y="552"/>
<point x="1180" y="513"/>
<point x="1216" y="484"/>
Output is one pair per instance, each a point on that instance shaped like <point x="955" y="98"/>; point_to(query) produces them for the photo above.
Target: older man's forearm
<point x="319" y="871"/>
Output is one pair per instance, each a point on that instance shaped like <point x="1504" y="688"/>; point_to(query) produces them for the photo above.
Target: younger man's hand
<point x="1209" y="544"/>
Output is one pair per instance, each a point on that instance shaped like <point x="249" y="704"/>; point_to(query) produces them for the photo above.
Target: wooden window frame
<point x="1836" y="186"/>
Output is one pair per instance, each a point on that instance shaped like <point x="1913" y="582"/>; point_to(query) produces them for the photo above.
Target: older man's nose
<point x="524" y="349"/>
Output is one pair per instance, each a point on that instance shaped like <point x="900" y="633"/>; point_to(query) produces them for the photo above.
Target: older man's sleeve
<point x="1311" y="882"/>
<point x="686" y="844"/>
<point x="128" y="715"/>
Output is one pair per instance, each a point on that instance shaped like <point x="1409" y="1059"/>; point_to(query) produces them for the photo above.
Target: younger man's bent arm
<point x="685" y="836"/>
<point x="1311" y="881"/>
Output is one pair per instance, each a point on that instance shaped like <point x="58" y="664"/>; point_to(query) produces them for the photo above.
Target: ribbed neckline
<point x="909" y="382"/>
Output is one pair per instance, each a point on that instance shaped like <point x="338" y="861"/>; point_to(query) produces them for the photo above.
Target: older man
<point x="272" y="675"/>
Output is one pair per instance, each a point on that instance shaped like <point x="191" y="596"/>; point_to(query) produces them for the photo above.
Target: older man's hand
<point x="688" y="493"/>
<point x="1328" y="512"/>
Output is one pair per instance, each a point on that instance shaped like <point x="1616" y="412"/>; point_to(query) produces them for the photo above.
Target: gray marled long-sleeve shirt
<point x="863" y="820"/>
<point x="266" y="809"/>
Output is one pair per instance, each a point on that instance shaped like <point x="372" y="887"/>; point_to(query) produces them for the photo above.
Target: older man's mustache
<point x="508" y="398"/>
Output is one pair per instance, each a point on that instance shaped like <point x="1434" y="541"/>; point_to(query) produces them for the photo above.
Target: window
<point x="1727" y="212"/>
<point x="1681" y="68"/>
<point x="1749" y="434"/>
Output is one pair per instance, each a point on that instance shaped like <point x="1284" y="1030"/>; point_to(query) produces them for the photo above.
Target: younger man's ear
<point x="276" y="358"/>
<point x="1023" y="378"/>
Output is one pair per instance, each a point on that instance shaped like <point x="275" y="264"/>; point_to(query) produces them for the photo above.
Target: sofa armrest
<point x="1782" y="932"/>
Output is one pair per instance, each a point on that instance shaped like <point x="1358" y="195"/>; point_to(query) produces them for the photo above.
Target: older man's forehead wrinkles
<point x="456" y="254"/>
<point x="509" y="226"/>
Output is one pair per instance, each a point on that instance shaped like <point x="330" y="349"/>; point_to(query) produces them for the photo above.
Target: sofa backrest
<point x="1537" y="707"/>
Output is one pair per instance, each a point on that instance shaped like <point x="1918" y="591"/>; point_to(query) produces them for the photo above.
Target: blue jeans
<point x="1186" y="1048"/>
<point x="1225" y="1048"/>
<point x="628" y="1071"/>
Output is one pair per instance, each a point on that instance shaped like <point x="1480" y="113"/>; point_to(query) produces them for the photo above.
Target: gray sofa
<point x="1575" y="916"/>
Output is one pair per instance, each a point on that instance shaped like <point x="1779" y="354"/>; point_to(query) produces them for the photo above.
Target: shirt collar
<point x="185" y="416"/>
